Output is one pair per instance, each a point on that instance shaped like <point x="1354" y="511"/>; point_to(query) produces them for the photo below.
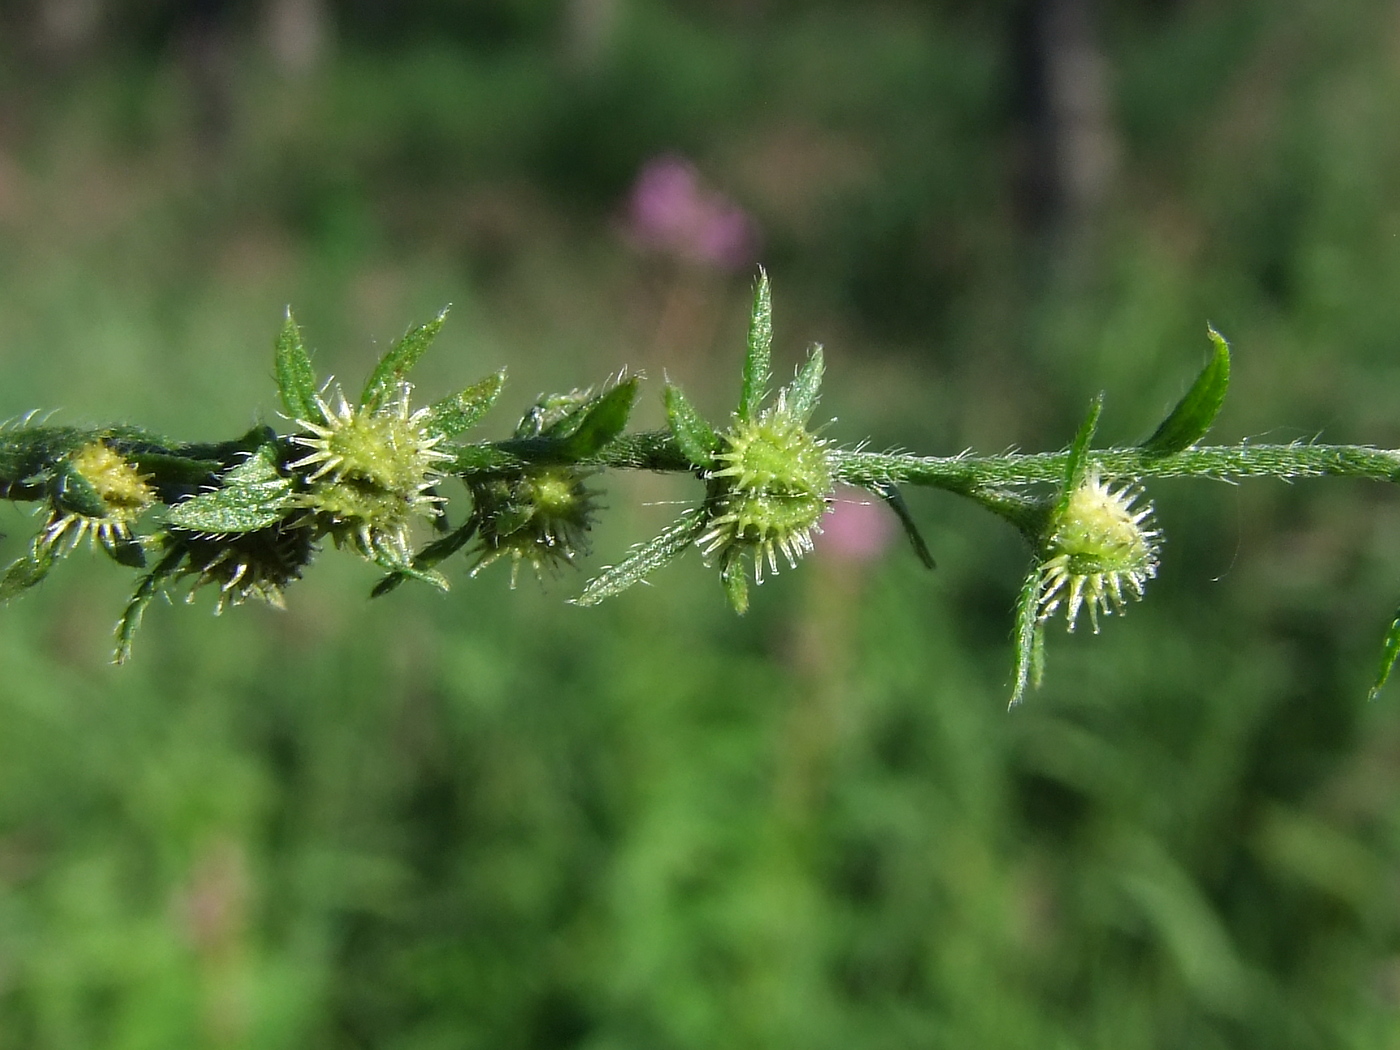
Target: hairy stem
<point x="964" y="474"/>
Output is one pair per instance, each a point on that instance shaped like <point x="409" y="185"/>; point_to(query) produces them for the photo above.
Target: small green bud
<point x="371" y="472"/>
<point x="541" y="517"/>
<point x="1100" y="548"/>
<point x="769" y="491"/>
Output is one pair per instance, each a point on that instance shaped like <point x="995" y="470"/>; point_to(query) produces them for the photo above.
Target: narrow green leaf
<point x="1077" y="465"/>
<point x="431" y="555"/>
<point x="735" y="582"/>
<point x="146" y="589"/>
<point x="802" y="393"/>
<point x="296" y="379"/>
<point x="696" y="438"/>
<point x="644" y="559"/>
<point x="605" y="418"/>
<point x="459" y="413"/>
<point x="252" y="496"/>
<point x="1389" y="654"/>
<point x="394" y="366"/>
<point x="1193" y="415"/>
<point x="892" y="496"/>
<point x="758" y="362"/>
<point x="26" y="571"/>
<point x="1030" y="638"/>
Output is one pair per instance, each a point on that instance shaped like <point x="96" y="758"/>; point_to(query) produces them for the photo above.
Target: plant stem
<point x="1221" y="462"/>
<point x="26" y="452"/>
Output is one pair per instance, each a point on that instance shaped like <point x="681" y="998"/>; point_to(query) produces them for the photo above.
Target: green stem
<point x="27" y="453"/>
<point x="966" y="474"/>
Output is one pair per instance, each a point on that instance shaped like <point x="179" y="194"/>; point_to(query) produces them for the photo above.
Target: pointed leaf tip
<point x="758" y="362"/>
<point x="1077" y="465"/>
<point x="394" y="366"/>
<point x="604" y="419"/>
<point x="1390" y="652"/>
<point x="802" y="393"/>
<point x="1193" y="415"/>
<point x="1030" y="639"/>
<point x="296" y="379"/>
<point x="695" y="437"/>
<point x="645" y="558"/>
<point x="458" y="413"/>
<point x="895" y="500"/>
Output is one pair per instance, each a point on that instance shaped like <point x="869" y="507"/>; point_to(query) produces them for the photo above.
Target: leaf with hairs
<point x="802" y="393"/>
<point x="1030" y="639"/>
<point x="1193" y="415"/>
<point x="895" y="499"/>
<point x="758" y="362"/>
<point x="645" y="558"/>
<point x="146" y="589"/>
<point x="1390" y="652"/>
<point x="604" y="419"/>
<point x="296" y="379"/>
<point x="735" y="582"/>
<point x="394" y="366"/>
<point x="458" y="413"/>
<point x="252" y="496"/>
<point x="27" y="570"/>
<point x="1077" y="464"/>
<point x="695" y="437"/>
<point x="426" y="559"/>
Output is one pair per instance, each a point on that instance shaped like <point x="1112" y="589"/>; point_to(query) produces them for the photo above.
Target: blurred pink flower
<point x="671" y="210"/>
<point x="857" y="529"/>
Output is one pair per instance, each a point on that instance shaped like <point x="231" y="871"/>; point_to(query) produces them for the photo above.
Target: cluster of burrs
<point x="246" y="517"/>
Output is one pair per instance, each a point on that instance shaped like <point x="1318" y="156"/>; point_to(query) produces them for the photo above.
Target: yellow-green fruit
<point x="124" y="492"/>
<point x="116" y="481"/>
<point x="769" y="491"/>
<point x="1101" y="551"/>
<point x="370" y="472"/>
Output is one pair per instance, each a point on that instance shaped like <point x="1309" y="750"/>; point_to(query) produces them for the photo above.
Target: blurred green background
<point x="493" y="820"/>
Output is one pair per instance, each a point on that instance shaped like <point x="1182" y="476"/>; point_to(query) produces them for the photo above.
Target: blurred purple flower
<point x="671" y="210"/>
<point x="857" y="529"/>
